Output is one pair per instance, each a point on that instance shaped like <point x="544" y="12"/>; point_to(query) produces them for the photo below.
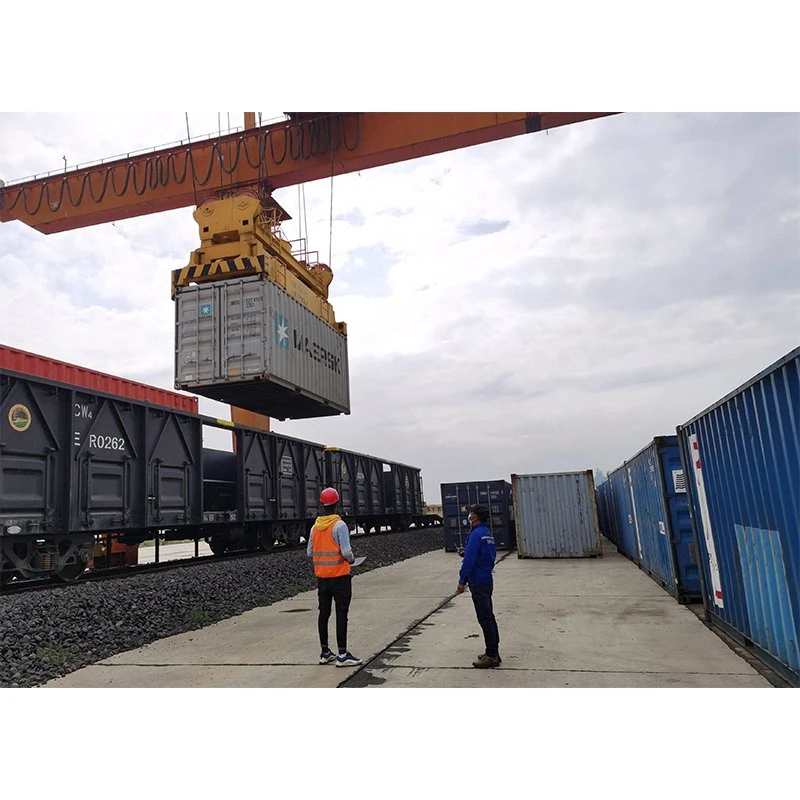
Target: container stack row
<point x="713" y="513"/>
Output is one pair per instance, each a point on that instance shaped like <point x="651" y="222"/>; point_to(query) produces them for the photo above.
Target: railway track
<point x="116" y="572"/>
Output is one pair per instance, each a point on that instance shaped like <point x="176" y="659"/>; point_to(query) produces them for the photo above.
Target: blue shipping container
<point x="654" y="528"/>
<point x="605" y="511"/>
<point x="458" y="497"/>
<point x="742" y="461"/>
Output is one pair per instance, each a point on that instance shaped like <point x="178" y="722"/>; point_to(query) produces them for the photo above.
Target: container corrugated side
<point x="684" y="549"/>
<point x="742" y="461"/>
<point x="248" y="343"/>
<point x="25" y="363"/>
<point x="605" y="511"/>
<point x="556" y="515"/>
<point x="620" y="513"/>
<point x="658" y="517"/>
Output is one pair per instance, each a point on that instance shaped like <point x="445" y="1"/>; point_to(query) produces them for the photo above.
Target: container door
<point x="244" y="347"/>
<point x="197" y="311"/>
<point x="683" y="544"/>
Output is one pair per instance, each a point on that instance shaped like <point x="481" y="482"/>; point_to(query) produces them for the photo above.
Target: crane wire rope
<point x="300" y="141"/>
<point x="189" y="143"/>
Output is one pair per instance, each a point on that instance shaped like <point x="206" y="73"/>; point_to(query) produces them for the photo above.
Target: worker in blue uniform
<point x="476" y="572"/>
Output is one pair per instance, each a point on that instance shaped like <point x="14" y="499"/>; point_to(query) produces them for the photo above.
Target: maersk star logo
<point x="281" y="331"/>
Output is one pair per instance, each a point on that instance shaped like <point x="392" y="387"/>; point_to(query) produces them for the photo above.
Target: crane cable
<point x="330" y="222"/>
<point x="189" y="143"/>
<point x="163" y="168"/>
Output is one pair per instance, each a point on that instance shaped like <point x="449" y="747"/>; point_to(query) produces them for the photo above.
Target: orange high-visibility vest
<point x="326" y="553"/>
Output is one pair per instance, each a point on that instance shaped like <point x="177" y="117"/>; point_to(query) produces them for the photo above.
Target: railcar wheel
<point x="73" y="558"/>
<point x="218" y="545"/>
<point x="69" y="572"/>
<point x="266" y="540"/>
<point x="293" y="535"/>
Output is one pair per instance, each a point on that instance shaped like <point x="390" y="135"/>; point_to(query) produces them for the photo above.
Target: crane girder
<point x="259" y="160"/>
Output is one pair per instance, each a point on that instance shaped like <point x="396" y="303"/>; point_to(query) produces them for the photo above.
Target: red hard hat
<point x="329" y="496"/>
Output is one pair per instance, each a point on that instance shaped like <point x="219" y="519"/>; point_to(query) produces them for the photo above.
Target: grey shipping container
<point x="556" y="515"/>
<point x="248" y="343"/>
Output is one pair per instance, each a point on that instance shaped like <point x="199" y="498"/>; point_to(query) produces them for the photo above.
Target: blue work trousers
<point x="482" y="600"/>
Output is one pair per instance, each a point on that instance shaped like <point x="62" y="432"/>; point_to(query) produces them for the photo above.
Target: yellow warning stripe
<point x="226" y="266"/>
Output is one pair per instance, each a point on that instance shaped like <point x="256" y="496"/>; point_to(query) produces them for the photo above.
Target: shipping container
<point x="22" y="362"/>
<point x="458" y="497"/>
<point x="248" y="343"/>
<point x="605" y="511"/>
<point x="742" y="461"/>
<point x="656" y="532"/>
<point x="556" y="515"/>
<point x="74" y="462"/>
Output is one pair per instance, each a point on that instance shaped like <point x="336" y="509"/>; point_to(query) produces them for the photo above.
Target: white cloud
<point x="648" y="266"/>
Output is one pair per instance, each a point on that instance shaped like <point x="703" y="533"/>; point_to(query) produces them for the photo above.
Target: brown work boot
<point x="487" y="662"/>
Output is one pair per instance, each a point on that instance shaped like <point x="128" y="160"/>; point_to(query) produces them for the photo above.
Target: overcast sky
<point x="545" y="303"/>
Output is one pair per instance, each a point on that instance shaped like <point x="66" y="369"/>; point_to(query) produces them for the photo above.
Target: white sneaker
<point x="347" y="660"/>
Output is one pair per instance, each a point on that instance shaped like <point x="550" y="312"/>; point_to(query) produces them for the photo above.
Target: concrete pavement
<point x="596" y="622"/>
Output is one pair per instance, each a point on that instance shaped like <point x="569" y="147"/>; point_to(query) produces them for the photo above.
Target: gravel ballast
<point x="46" y="634"/>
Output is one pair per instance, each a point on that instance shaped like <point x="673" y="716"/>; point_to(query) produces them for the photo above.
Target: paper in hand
<point x="359" y="561"/>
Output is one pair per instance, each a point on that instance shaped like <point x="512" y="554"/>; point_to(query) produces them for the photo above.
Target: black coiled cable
<point x="301" y="142"/>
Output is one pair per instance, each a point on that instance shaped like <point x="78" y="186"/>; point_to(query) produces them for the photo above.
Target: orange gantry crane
<point x="230" y="179"/>
<point x="303" y="148"/>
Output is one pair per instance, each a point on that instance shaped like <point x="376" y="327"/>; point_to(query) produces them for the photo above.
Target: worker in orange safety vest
<point x="330" y="552"/>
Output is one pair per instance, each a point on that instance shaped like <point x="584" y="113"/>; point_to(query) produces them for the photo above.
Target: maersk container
<point x="248" y="343"/>
<point x="556" y="515"/>
<point x="458" y="497"/>
<point x="742" y="461"/>
<point x="658" y="534"/>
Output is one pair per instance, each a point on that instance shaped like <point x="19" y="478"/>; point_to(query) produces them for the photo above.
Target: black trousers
<point x="482" y="600"/>
<point x="339" y="591"/>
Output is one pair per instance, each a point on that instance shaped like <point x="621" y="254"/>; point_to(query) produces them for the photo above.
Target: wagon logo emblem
<point x="19" y="417"/>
